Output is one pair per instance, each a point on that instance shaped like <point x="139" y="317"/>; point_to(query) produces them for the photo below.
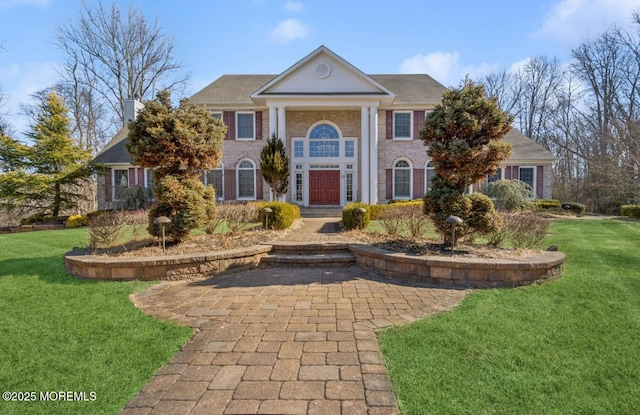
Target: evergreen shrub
<point x="283" y="214"/>
<point x="631" y="211"/>
<point x="351" y="218"/>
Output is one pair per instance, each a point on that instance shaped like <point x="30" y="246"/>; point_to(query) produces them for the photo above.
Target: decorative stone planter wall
<point x="169" y="267"/>
<point x="457" y="271"/>
<point x="460" y="271"/>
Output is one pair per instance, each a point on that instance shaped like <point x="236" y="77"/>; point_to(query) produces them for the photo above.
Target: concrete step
<point x="321" y="212"/>
<point x="296" y="248"/>
<point x="342" y="259"/>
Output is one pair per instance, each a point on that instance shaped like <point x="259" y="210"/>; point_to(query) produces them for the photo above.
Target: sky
<point x="446" y="39"/>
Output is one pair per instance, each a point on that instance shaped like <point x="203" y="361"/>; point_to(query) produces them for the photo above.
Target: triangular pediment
<point x="322" y="72"/>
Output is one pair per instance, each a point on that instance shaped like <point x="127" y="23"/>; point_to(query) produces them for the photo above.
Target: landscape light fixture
<point x="361" y="211"/>
<point x="267" y="211"/>
<point x="162" y="220"/>
<point x="453" y="220"/>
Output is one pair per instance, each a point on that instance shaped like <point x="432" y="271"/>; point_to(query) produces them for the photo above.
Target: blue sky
<point x="444" y="39"/>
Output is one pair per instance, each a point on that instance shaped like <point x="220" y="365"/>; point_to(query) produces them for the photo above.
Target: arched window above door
<point x="324" y="132"/>
<point x="324" y="141"/>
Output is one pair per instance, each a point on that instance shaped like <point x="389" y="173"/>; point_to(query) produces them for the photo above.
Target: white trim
<point x="535" y="172"/>
<point x="373" y="155"/>
<point x="427" y="169"/>
<point x="253" y="127"/>
<point x="410" y="137"/>
<point x="393" y="178"/>
<point x="238" y="179"/>
<point x="206" y="179"/>
<point x="364" y="158"/>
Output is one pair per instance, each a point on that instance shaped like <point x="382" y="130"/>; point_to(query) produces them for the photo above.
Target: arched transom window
<point x="324" y="141"/>
<point x="402" y="180"/>
<point x="246" y="180"/>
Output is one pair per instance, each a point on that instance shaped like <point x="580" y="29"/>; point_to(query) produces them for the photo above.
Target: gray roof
<point x="115" y="151"/>
<point x="414" y="89"/>
<point x="527" y="149"/>
<point x="232" y="90"/>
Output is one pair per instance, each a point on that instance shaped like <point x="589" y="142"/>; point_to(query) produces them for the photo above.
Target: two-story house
<point x="349" y="136"/>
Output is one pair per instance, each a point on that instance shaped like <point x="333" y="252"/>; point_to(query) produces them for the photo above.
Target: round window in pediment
<point x="323" y="70"/>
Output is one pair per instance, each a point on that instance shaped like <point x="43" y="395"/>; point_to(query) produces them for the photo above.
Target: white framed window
<point x="528" y="175"/>
<point x="246" y="179"/>
<point x="245" y="126"/>
<point x="324" y="141"/>
<point x="429" y="173"/>
<point x="349" y="185"/>
<point x="299" y="188"/>
<point x="119" y="180"/>
<point x="215" y="178"/>
<point x="349" y="148"/>
<point x="402" y="125"/>
<point x="402" y="179"/>
<point x="216" y="114"/>
<point x="298" y="149"/>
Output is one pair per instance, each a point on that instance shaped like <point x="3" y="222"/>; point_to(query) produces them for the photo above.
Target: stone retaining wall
<point x="460" y="271"/>
<point x="170" y="267"/>
<point x="457" y="271"/>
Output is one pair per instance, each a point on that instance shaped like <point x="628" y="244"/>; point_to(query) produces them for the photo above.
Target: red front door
<point x="324" y="187"/>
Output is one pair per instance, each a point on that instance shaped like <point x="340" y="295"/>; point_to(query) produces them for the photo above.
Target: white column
<point x="273" y="121"/>
<point x="373" y="153"/>
<point x="282" y="132"/>
<point x="364" y="151"/>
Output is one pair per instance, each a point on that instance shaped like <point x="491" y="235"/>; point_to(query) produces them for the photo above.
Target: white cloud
<point x="288" y="30"/>
<point x="19" y="83"/>
<point x="294" y="6"/>
<point x="445" y="67"/>
<point x="570" y="22"/>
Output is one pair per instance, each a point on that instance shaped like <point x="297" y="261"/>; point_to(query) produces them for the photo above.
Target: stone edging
<point x="445" y="271"/>
<point x="169" y="267"/>
<point x="458" y="271"/>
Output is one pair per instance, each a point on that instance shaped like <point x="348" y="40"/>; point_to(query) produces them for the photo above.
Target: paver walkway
<point x="282" y="341"/>
<point x="317" y="230"/>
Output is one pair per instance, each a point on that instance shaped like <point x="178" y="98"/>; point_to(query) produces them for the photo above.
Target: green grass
<point x="59" y="333"/>
<point x="568" y="346"/>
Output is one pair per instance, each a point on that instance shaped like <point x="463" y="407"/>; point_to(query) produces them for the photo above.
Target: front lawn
<point x="59" y="333"/>
<point x="568" y="346"/>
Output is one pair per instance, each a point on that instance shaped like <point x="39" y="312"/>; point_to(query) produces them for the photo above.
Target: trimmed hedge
<point x="547" y="203"/>
<point x="631" y="211"/>
<point x="377" y="210"/>
<point x="76" y="221"/>
<point x="577" y="208"/>
<point x="282" y="216"/>
<point x="351" y="218"/>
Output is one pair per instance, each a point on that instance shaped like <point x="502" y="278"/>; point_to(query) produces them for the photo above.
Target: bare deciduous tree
<point x="113" y="56"/>
<point x="586" y="113"/>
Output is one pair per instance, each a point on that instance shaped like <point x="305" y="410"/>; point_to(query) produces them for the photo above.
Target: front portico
<point x="327" y="88"/>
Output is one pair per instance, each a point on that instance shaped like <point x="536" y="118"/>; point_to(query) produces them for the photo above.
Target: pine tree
<point x="274" y="164"/>
<point x="45" y="177"/>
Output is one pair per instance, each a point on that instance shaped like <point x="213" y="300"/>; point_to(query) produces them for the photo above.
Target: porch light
<point x="453" y="220"/>
<point x="162" y="220"/>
